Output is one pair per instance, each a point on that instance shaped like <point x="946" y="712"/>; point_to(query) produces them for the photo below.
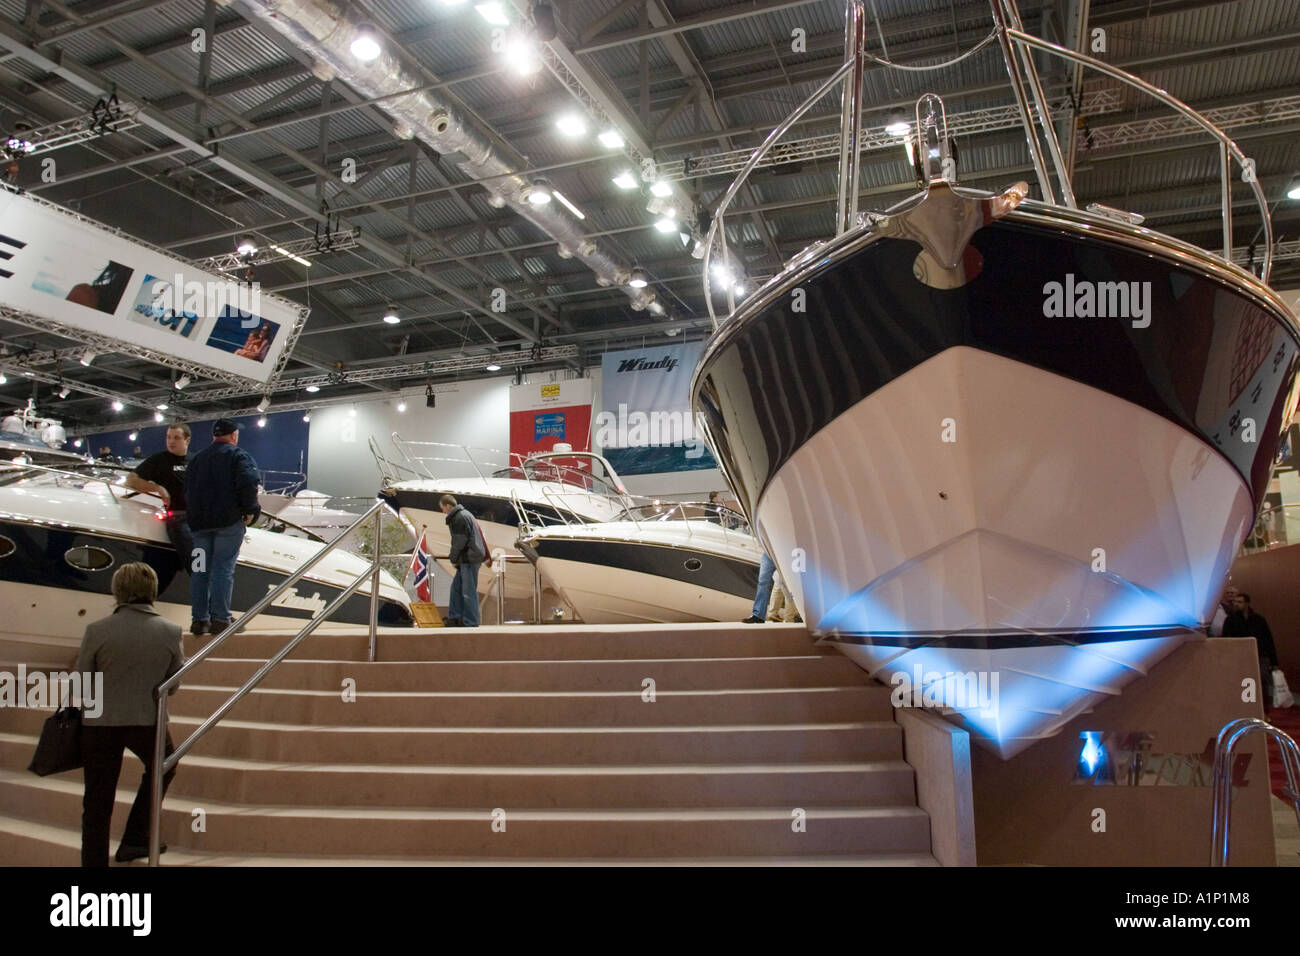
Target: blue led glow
<point x="1093" y="753"/>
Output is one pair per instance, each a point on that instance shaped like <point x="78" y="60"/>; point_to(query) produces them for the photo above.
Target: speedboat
<point x="64" y="530"/>
<point x="996" y="442"/>
<point x="555" y="488"/>
<point x="658" y="564"/>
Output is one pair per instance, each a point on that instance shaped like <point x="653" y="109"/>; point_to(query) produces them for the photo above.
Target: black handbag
<point x="59" y="748"/>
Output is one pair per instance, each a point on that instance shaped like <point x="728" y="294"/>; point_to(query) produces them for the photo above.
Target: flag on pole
<point x="420" y="568"/>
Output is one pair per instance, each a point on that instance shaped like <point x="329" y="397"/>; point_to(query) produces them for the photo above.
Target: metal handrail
<point x="1232" y="734"/>
<point x="164" y="764"/>
<point x="1264" y="528"/>
<point x="85" y="479"/>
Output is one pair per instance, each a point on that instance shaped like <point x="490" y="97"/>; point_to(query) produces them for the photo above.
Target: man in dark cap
<point x="221" y="494"/>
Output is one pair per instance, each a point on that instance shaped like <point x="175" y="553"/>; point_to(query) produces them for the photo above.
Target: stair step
<point x="844" y="783"/>
<point x="529" y="832"/>
<point x="624" y="708"/>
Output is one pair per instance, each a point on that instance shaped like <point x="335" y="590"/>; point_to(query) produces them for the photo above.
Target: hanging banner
<point x="59" y="266"/>
<point x="645" y="425"/>
<point x="542" y="416"/>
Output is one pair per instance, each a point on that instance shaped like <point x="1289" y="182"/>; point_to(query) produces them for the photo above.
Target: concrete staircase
<point x="547" y="727"/>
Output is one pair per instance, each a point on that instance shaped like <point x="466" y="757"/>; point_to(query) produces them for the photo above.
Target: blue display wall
<point x="279" y="446"/>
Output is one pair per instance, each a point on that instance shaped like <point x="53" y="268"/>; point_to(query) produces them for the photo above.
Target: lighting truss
<point x="1225" y="117"/>
<point x="305" y="248"/>
<point x="79" y="129"/>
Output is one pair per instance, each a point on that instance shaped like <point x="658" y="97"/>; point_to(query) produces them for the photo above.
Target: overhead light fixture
<point x="77" y="443"/>
<point x="4" y="379"/>
<point x="493" y="367"/>
<point x="365" y="45"/>
<point x="117" y="406"/>
<point x="88" y="357"/>
<point x="133" y="436"/>
<point x="401" y="407"/>
<point x="538" y="193"/>
<point x="639" y="279"/>
<point x="181" y="382"/>
<point x="571" y="124"/>
<point x="721" y="273"/>
<point x="625" y="180"/>
<point x="493" y="12"/>
<point x="64" y="392"/>
<point x="667" y="224"/>
<point x="522" y="54"/>
<point x="307" y="417"/>
<point x="246" y="246"/>
<point x="158" y="416"/>
<point x="898" y="124"/>
<point x="264" y="404"/>
<point x="261" y="422"/>
<point x="611" y="139"/>
<point x="312" y="388"/>
<point x="661" y="188"/>
<point x="567" y="205"/>
<point x="391" y="316"/>
<point x="161" y="406"/>
<point x="352" y="412"/>
<point x="289" y="255"/>
<point x="1293" y="190"/>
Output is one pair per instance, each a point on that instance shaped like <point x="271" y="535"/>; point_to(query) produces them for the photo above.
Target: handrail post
<point x="1044" y="114"/>
<point x="374" y="582"/>
<point x="1022" y="101"/>
<point x="156" y="788"/>
<point x="1225" y="163"/>
<point x="855" y="27"/>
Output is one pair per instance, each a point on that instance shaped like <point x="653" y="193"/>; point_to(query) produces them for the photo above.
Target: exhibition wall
<point x="280" y="446"/>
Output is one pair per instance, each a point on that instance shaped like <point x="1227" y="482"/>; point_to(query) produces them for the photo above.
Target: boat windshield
<point x="588" y="472"/>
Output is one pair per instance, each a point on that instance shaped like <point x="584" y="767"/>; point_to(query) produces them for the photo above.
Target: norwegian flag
<point x="420" y="568"/>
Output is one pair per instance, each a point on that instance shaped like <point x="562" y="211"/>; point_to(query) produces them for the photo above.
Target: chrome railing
<point x="162" y="763"/>
<point x="1231" y="735"/>
<point x="1277" y="526"/>
<point x="1017" y="47"/>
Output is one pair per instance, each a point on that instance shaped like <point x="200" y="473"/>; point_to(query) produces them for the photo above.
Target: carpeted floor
<point x="1287" y="719"/>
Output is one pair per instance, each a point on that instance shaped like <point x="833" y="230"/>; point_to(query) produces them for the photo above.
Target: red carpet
<point x="1287" y="719"/>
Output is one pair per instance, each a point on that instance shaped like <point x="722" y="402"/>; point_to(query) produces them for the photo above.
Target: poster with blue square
<point x="550" y="424"/>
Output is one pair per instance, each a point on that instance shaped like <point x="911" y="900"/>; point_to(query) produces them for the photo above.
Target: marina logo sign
<point x="1083" y="299"/>
<point x="950" y="690"/>
<point x="38" y="690"/>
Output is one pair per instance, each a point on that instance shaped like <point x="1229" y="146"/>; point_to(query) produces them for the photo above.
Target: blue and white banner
<point x="645" y="425"/>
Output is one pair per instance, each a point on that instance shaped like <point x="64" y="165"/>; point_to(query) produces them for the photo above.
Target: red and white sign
<point x="542" y="416"/>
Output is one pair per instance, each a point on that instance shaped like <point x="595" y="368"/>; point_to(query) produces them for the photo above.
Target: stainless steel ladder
<point x="1232" y="734"/>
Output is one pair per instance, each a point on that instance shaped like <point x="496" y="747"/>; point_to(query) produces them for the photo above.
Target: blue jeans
<point x="211" y="587"/>
<point x="464" y="595"/>
<point x="766" y="569"/>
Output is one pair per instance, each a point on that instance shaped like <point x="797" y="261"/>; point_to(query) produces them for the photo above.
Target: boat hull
<point x="932" y="460"/>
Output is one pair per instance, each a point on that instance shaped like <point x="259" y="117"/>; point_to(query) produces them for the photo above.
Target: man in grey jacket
<point x="468" y="551"/>
<point x="136" y="649"/>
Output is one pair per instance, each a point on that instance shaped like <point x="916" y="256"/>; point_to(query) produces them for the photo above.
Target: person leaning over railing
<point x="136" y="649"/>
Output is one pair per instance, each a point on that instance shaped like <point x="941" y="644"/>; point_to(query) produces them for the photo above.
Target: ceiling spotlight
<point x="625" y="180"/>
<point x="365" y="45"/>
<point x="161" y="406"/>
<point x="89" y="357"/>
<point x="721" y="273"/>
<point x="538" y="193"/>
<point x="571" y="124"/>
<point x="264" y="404"/>
<point x="133" y="436"/>
<point x="181" y="382"/>
<point x="246" y="246"/>
<point x="671" y="332"/>
<point x="158" y="416"/>
<point x="611" y="139"/>
<point x="261" y="422"/>
<point x="493" y="12"/>
<point x="307" y="417"/>
<point x="391" y="316"/>
<point x="64" y="392"/>
<point x="898" y="124"/>
<point x="401" y="407"/>
<point x="312" y="388"/>
<point x="495" y="201"/>
<point x="352" y="412"/>
<point x="4" y="379"/>
<point x="289" y="255"/>
<point x="667" y="224"/>
<point x="661" y="188"/>
<point x="493" y="367"/>
<point x="522" y="54"/>
<point x="1293" y="190"/>
<point x="117" y="406"/>
<point x="639" y="279"/>
<point x="77" y="443"/>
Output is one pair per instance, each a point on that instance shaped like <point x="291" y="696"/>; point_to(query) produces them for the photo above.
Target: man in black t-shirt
<point x="163" y="475"/>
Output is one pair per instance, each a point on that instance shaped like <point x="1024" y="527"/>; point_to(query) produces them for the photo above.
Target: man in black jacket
<point x="221" y="494"/>
<point x="468" y="550"/>
<point x="1244" y="622"/>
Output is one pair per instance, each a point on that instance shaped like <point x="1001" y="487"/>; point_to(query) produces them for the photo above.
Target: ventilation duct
<point x="325" y="30"/>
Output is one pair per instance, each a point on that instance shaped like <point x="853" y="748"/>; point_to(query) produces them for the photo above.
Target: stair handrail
<point x="1233" y="733"/>
<point x="163" y="764"/>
